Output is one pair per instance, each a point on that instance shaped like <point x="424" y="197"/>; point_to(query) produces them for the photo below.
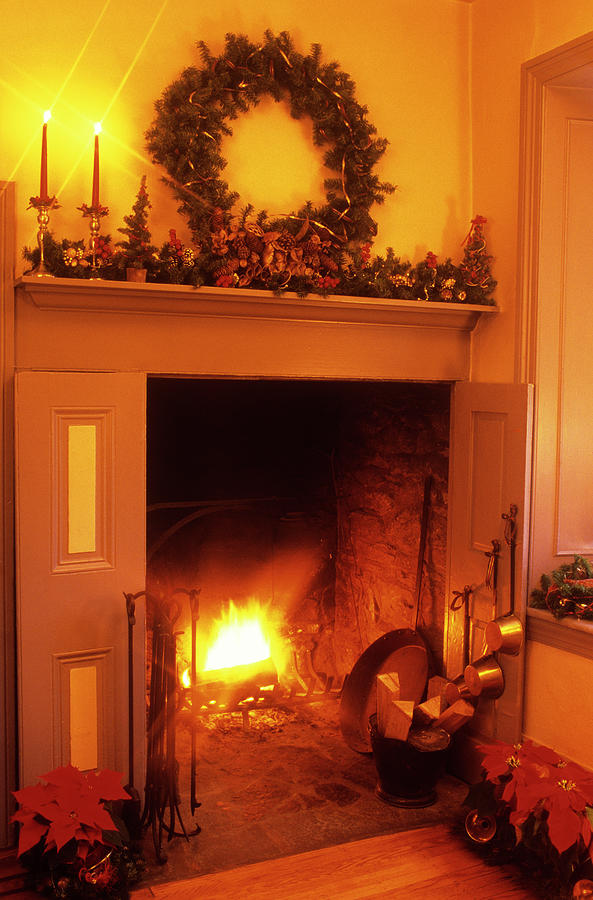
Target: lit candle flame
<point x="98" y="128"/>
<point x="46" y="116"/>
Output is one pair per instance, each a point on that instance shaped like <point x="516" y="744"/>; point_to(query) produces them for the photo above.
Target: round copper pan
<point x="402" y="651"/>
<point x="457" y="690"/>
<point x="484" y="678"/>
<point x="505" y="634"/>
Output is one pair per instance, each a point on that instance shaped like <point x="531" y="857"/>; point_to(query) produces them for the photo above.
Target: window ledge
<point x="567" y="634"/>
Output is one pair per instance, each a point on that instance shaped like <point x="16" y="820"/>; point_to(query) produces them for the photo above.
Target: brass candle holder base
<point x="95" y="214"/>
<point x="43" y="208"/>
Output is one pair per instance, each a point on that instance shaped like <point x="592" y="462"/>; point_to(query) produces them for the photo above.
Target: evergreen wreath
<point x="192" y="118"/>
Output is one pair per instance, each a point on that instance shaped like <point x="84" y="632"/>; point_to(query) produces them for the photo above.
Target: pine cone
<point x="242" y="250"/>
<point x="285" y="241"/>
<point x="217" y="219"/>
<point x="253" y="238"/>
<point x="228" y="268"/>
<point x="327" y="262"/>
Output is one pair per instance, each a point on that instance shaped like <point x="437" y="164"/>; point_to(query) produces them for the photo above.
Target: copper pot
<point x="505" y="634"/>
<point x="484" y="678"/>
<point x="457" y="690"/>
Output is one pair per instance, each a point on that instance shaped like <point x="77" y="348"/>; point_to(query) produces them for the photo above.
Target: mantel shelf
<point x="158" y="299"/>
<point x="67" y="323"/>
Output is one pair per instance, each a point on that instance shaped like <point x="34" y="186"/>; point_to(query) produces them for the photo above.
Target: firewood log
<point x="454" y="716"/>
<point x="426" y="713"/>
<point x="394" y="716"/>
<point x="436" y="687"/>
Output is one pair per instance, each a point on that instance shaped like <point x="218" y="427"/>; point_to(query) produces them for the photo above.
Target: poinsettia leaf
<point x="564" y="827"/>
<point x="509" y="792"/>
<point x="91" y="833"/>
<point x="518" y="816"/>
<point x="62" y="830"/>
<point x="589" y="814"/>
<point x="36" y="796"/>
<point x="108" y="785"/>
<point x="65" y="777"/>
<point x="82" y="849"/>
<point x="91" y="812"/>
<point x="30" y="834"/>
<point x="542" y="754"/>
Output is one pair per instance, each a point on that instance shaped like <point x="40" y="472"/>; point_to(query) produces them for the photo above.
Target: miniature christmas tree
<point x="475" y="266"/>
<point x="137" y="250"/>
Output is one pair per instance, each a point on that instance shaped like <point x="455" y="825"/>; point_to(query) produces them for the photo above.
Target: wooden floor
<point x="417" y="865"/>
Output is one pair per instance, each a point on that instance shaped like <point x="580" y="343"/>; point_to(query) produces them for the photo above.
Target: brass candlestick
<point x="94" y="226"/>
<point x="95" y="214"/>
<point x="43" y="207"/>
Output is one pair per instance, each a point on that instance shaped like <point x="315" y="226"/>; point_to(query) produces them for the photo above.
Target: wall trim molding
<point x="7" y="604"/>
<point x="569" y="635"/>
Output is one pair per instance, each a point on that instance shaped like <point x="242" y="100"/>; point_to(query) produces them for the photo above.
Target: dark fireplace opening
<point x="299" y="502"/>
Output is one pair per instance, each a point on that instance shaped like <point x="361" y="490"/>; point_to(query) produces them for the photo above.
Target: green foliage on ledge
<point x="567" y="591"/>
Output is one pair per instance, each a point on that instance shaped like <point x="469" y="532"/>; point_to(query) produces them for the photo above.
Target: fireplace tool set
<point x="161" y="791"/>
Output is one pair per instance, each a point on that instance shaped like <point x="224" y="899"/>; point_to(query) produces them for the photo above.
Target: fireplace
<point x="300" y="500"/>
<point x="353" y="368"/>
<point x="285" y="514"/>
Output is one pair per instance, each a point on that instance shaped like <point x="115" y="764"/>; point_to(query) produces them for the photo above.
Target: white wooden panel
<point x="487" y="454"/>
<point x="563" y="473"/>
<point x="68" y="604"/>
<point x="575" y="424"/>
<point x="490" y="469"/>
<point x="69" y="526"/>
<point x="84" y="716"/>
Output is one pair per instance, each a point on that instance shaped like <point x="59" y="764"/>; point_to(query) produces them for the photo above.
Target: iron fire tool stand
<point x="162" y="791"/>
<point x="131" y="809"/>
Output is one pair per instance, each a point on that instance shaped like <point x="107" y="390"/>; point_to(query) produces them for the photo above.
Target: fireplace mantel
<point x="109" y="325"/>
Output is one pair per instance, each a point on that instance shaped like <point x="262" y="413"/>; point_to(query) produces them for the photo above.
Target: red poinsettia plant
<point x="546" y="802"/>
<point x="68" y="805"/>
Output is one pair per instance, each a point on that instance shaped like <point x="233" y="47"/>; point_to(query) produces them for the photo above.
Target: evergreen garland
<point x="567" y="591"/>
<point x="325" y="250"/>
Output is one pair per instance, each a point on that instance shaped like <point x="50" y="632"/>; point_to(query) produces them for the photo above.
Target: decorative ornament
<point x="192" y="118"/>
<point x="475" y="266"/>
<point x="137" y="251"/>
<point x="480" y="828"/>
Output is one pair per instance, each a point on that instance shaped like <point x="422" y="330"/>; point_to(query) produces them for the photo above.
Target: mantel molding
<point x="158" y="299"/>
<point x="80" y="325"/>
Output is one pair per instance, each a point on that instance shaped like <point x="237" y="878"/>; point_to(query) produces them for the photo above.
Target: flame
<point x="242" y="636"/>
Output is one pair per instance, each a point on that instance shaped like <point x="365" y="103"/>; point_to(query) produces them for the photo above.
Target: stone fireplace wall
<point x="393" y="438"/>
<point x="333" y="535"/>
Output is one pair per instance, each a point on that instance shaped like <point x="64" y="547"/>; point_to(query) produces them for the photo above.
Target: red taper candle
<point x="43" y="195"/>
<point x="95" y="197"/>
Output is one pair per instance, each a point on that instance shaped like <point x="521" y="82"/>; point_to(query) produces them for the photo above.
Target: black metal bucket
<point x="408" y="771"/>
